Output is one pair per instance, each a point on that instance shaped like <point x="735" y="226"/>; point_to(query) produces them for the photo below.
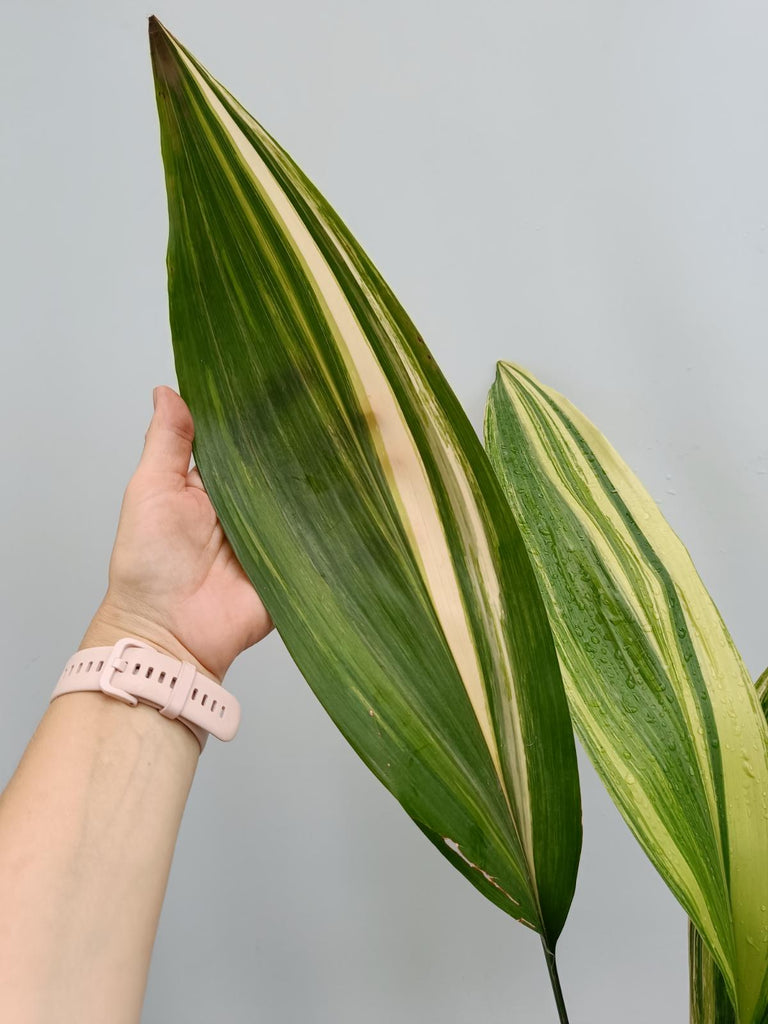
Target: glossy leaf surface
<point x="658" y="692"/>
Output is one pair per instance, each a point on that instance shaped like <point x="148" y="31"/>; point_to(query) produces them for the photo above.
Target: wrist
<point x="109" y="624"/>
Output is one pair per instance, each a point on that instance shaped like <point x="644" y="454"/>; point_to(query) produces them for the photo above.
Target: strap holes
<point x="205" y="698"/>
<point x="89" y="666"/>
<point x="136" y="668"/>
<point x="150" y="670"/>
<point x="98" y="667"/>
<point x="213" y="706"/>
<point x="221" y="713"/>
<point x="194" y="693"/>
<point x="161" y="677"/>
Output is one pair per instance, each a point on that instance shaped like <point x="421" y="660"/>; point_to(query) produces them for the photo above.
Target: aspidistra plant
<point x="659" y="694"/>
<point x="362" y="506"/>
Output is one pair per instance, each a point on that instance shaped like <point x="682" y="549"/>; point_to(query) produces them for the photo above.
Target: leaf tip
<point x="501" y="368"/>
<point x="156" y="27"/>
<point x="163" y="63"/>
<point x="504" y="370"/>
<point x="512" y="373"/>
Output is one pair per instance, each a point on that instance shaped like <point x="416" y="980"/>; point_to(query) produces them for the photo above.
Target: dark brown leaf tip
<point x="163" y="62"/>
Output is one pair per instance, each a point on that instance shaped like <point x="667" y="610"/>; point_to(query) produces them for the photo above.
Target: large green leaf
<point x="658" y="692"/>
<point x="361" y="503"/>
<point x="710" y="1003"/>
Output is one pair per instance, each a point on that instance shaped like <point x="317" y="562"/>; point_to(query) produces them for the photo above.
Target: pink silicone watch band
<point x="133" y="671"/>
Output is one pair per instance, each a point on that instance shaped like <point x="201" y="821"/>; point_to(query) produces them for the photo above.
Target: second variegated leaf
<point x="658" y="692"/>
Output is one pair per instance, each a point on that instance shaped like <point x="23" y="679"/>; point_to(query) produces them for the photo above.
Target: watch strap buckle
<point x="115" y="663"/>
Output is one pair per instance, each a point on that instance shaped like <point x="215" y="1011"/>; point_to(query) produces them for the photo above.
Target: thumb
<point x="168" y="441"/>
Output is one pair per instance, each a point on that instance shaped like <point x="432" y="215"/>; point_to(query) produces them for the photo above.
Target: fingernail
<point x="154" y="398"/>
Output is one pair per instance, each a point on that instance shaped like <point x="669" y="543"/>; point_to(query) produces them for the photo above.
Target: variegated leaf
<point x="361" y="503"/>
<point x="710" y="1003"/>
<point x="658" y="692"/>
<point x="761" y="686"/>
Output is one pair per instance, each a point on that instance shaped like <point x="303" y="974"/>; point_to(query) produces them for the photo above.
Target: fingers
<point x="168" y="441"/>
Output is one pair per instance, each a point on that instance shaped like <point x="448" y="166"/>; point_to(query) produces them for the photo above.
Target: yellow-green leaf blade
<point x="361" y="505"/>
<point x="658" y="692"/>
<point x="710" y="1002"/>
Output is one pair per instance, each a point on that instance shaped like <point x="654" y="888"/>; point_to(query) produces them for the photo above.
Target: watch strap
<point x="135" y="672"/>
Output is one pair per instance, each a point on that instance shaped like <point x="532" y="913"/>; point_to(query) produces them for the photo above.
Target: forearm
<point x="89" y="820"/>
<point x="88" y="826"/>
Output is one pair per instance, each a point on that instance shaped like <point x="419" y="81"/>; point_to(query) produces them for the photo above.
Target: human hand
<point x="174" y="580"/>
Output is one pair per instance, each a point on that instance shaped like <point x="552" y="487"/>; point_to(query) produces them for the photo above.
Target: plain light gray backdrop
<point x="577" y="187"/>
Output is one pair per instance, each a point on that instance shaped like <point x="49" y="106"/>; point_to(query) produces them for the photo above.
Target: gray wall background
<point x="578" y="187"/>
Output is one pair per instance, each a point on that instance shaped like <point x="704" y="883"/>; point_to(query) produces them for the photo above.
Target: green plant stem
<point x="554" y="977"/>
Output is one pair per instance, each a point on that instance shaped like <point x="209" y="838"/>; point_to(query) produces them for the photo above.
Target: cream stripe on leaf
<point x="710" y="1002"/>
<point x="361" y="504"/>
<point x="658" y="692"/>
